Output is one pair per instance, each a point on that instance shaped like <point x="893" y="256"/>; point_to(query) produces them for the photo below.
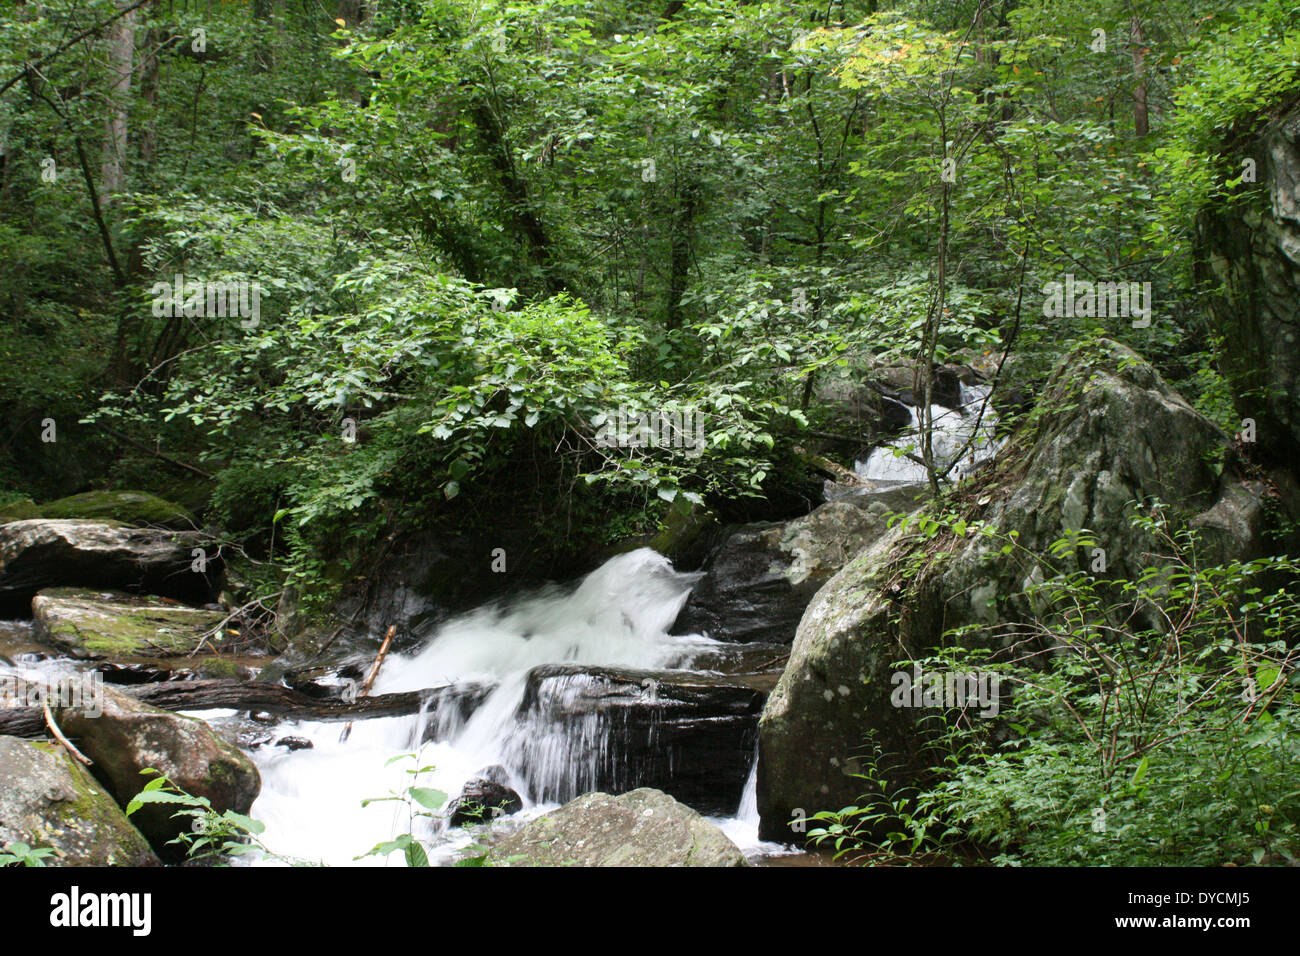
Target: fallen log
<point x="835" y="470"/>
<point x="281" y="701"/>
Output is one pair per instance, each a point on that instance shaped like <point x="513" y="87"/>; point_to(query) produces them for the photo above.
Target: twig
<point x="58" y="735"/>
<point x="370" y="678"/>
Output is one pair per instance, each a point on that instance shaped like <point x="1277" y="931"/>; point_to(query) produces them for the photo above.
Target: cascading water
<point x="619" y="616"/>
<point x="951" y="430"/>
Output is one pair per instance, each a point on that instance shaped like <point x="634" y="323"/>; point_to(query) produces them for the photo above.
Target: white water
<point x="952" y="428"/>
<point x="618" y="616"/>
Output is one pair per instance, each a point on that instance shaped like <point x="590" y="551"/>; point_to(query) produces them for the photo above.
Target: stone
<point x="758" y="581"/>
<point x="1110" y="431"/>
<point x="49" y="801"/>
<point x="484" y="797"/>
<point x="600" y="728"/>
<point x="641" y="828"/>
<point x="130" y="507"/>
<point x="113" y="624"/>
<point x="130" y="736"/>
<point x="1248" y="254"/>
<point x="45" y="552"/>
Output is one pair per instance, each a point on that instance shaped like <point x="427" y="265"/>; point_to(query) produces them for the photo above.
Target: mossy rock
<point x="49" y="801"/>
<point x="114" y="624"/>
<point x="132" y="507"/>
<point x="644" y="827"/>
<point x="125" y="737"/>
<point x="20" y="511"/>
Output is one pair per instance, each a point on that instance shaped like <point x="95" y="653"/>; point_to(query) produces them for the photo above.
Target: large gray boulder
<point x="41" y="553"/>
<point x="130" y="736"/>
<point x="1111" y="431"/>
<point x="760" y="578"/>
<point x="1249" y="253"/>
<point x="641" y="828"/>
<point x="48" y="801"/>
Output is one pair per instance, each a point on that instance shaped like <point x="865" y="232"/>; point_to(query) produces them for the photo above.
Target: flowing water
<point x="618" y="616"/>
<point x="324" y="804"/>
<point x="952" y="433"/>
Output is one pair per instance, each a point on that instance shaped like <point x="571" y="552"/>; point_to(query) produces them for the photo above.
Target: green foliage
<point x="18" y="853"/>
<point x="420" y="803"/>
<point x="1240" y="73"/>
<point x="1153" y="721"/>
<point x="212" y="837"/>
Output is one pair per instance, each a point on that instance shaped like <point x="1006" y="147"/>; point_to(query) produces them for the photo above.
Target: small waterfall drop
<point x="617" y="617"/>
<point x="952" y="430"/>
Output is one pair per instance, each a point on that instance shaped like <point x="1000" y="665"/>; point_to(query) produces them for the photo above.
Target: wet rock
<point x="48" y="801"/>
<point x="485" y="797"/>
<point x="44" y="553"/>
<point x="130" y="736"/>
<point x="758" y="581"/>
<point x="1247" y="255"/>
<point x="113" y="624"/>
<point x="902" y="382"/>
<point x="1118" y="433"/>
<point x="594" y="728"/>
<point x="641" y="828"/>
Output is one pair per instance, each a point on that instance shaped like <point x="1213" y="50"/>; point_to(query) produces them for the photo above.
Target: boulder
<point x="20" y="510"/>
<point x="46" y="552"/>
<point x="49" y="801"/>
<point x="130" y="507"/>
<point x="1247" y="252"/>
<point x="1109" y="431"/>
<point x="113" y="624"/>
<point x="486" y="796"/>
<point x="597" y="728"/>
<point x="641" y="828"/>
<point x="758" y="581"/>
<point x="130" y="736"/>
<point x="902" y="382"/>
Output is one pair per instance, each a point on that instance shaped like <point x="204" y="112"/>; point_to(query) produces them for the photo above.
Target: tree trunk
<point x="121" y="64"/>
<point x="1141" y="123"/>
<point x="680" y="257"/>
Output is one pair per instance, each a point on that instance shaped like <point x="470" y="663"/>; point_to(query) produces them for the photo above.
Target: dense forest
<point x="873" y="424"/>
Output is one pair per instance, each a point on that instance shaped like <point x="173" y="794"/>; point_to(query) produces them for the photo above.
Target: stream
<point x="618" y="616"/>
<point x="326" y="801"/>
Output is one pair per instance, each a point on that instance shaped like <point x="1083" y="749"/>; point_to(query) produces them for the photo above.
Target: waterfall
<point x="951" y="430"/>
<point x="618" y="616"/>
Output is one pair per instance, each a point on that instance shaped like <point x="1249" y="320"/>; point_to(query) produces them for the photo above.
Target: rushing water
<point x="952" y="431"/>
<point x="619" y="616"/>
<point x="325" y="803"/>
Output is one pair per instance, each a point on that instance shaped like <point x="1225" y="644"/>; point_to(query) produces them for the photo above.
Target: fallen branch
<point x="58" y="735"/>
<point x="836" y="471"/>
<point x="370" y="677"/>
<point x="188" y="695"/>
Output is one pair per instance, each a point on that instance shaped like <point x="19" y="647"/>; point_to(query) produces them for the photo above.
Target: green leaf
<point x="1141" y="772"/>
<point x="428" y="797"/>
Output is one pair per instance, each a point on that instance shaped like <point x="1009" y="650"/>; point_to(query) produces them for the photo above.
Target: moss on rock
<point x="114" y="624"/>
<point x="131" y="507"/>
